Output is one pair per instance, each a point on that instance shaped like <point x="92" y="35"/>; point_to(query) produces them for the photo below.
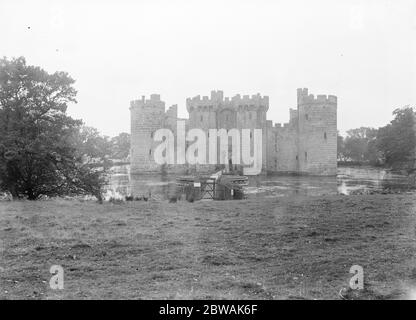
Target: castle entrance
<point x="227" y="119"/>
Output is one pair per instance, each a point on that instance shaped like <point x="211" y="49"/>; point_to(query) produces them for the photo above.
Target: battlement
<point x="293" y="120"/>
<point x="293" y="114"/>
<point x="217" y="100"/>
<point x="154" y="101"/>
<point x="172" y="112"/>
<point x="305" y="98"/>
<point x="306" y="144"/>
<point x="279" y="127"/>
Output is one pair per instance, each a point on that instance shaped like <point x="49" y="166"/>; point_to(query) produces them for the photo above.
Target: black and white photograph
<point x="206" y="151"/>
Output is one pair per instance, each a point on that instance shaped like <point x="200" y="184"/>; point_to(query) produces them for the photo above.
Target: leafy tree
<point x="359" y="145"/>
<point x="97" y="148"/>
<point x="397" y="140"/>
<point x="120" y="146"/>
<point x="38" y="156"/>
<point x="340" y="148"/>
<point x="92" y="145"/>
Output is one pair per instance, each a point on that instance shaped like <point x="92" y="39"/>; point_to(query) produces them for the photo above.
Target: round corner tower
<point x="317" y="133"/>
<point x="146" y="117"/>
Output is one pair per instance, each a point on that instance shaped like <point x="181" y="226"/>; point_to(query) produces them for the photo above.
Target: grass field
<point x="297" y="247"/>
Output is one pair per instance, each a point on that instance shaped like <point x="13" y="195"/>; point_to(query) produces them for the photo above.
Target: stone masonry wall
<point x="146" y="117"/>
<point x="307" y="144"/>
<point x="317" y="133"/>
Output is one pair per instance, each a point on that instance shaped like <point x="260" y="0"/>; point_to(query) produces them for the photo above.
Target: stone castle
<point x="305" y="145"/>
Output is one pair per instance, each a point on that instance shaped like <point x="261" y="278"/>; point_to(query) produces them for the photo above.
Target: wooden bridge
<point x="215" y="187"/>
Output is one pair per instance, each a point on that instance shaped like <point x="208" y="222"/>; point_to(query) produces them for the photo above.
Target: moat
<point x="349" y="181"/>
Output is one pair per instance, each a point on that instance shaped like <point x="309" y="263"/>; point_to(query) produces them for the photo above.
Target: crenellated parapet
<point x="238" y="102"/>
<point x="305" y="98"/>
<point x="154" y="101"/>
<point x="307" y="143"/>
<point x="172" y="112"/>
<point x="279" y="127"/>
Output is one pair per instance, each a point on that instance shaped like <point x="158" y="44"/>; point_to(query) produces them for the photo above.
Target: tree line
<point x="393" y="145"/>
<point x="43" y="151"/>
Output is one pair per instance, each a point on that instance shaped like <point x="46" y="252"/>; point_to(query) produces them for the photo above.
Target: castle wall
<point x="317" y="132"/>
<point x="217" y="112"/>
<point x="307" y="144"/>
<point x="171" y="118"/>
<point x="146" y="117"/>
<point x="282" y="143"/>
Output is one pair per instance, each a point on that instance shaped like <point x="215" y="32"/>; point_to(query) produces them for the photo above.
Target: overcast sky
<point x="364" y="52"/>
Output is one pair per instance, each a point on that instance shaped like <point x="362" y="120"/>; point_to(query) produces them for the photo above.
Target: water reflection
<point x="349" y="180"/>
<point x="291" y="185"/>
<point x="122" y="183"/>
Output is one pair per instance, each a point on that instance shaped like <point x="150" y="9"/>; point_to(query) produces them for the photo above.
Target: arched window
<point x="306" y="116"/>
<point x="325" y="135"/>
<point x="306" y="155"/>
<point x="150" y="152"/>
<point x="151" y="135"/>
